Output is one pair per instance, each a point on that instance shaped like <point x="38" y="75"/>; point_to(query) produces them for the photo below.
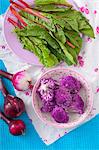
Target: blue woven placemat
<point x="84" y="138"/>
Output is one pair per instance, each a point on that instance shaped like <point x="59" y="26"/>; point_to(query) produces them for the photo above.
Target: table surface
<point x="84" y="138"/>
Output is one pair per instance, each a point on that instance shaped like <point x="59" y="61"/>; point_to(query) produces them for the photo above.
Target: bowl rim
<point x="71" y="124"/>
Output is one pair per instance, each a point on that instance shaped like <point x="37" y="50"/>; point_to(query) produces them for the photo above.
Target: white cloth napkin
<point x="90" y="70"/>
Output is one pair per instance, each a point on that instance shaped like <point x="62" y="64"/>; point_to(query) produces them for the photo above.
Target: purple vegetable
<point x="48" y="106"/>
<point x="13" y="106"/>
<point x="16" y="127"/>
<point x="77" y="104"/>
<point x="60" y="115"/>
<point x="50" y="83"/>
<point x="60" y="98"/>
<point x="46" y="89"/>
<point x="46" y="84"/>
<point x="63" y="97"/>
<point x="48" y="96"/>
<point x="21" y="80"/>
<point x="71" y="83"/>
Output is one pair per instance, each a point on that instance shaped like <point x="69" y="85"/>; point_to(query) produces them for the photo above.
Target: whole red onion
<point x="13" y="106"/>
<point x="21" y="80"/>
<point x="16" y="127"/>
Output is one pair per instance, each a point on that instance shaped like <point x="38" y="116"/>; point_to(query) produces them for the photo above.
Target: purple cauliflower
<point x="46" y="89"/>
<point x="63" y="97"/>
<point x="60" y="115"/>
<point x="77" y="104"/>
<point x="48" y="95"/>
<point x="71" y="83"/>
<point x="47" y="83"/>
<point x="48" y="106"/>
<point x="60" y="98"/>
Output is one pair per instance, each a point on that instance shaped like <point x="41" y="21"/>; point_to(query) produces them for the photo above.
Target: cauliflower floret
<point x="77" y="104"/>
<point x="71" y="83"/>
<point x="60" y="115"/>
<point x="63" y="97"/>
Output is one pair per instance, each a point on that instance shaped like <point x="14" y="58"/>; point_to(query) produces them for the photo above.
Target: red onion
<point x="13" y="106"/>
<point x="16" y="127"/>
<point x="21" y="80"/>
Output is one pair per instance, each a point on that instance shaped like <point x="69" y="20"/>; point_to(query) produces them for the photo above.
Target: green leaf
<point x="46" y="2"/>
<point x="48" y="58"/>
<point x="50" y="8"/>
<point x="67" y="18"/>
<point x="60" y="55"/>
<point x="59" y="34"/>
<point x="88" y="32"/>
<point x="70" y="16"/>
<point x="72" y="52"/>
<point x="30" y="19"/>
<point x="47" y="40"/>
<point x="39" y="32"/>
<point x="64" y="49"/>
<point x="67" y="54"/>
<point x="84" y="26"/>
<point x="27" y="44"/>
<point x="35" y="45"/>
<point x="77" y="21"/>
<point x="34" y="30"/>
<point x="74" y="38"/>
<point x="58" y="20"/>
<point x="51" y="60"/>
<point x="73" y="23"/>
<point x="61" y="14"/>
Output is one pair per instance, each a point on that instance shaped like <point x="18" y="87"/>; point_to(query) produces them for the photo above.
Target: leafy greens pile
<point x="57" y="39"/>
